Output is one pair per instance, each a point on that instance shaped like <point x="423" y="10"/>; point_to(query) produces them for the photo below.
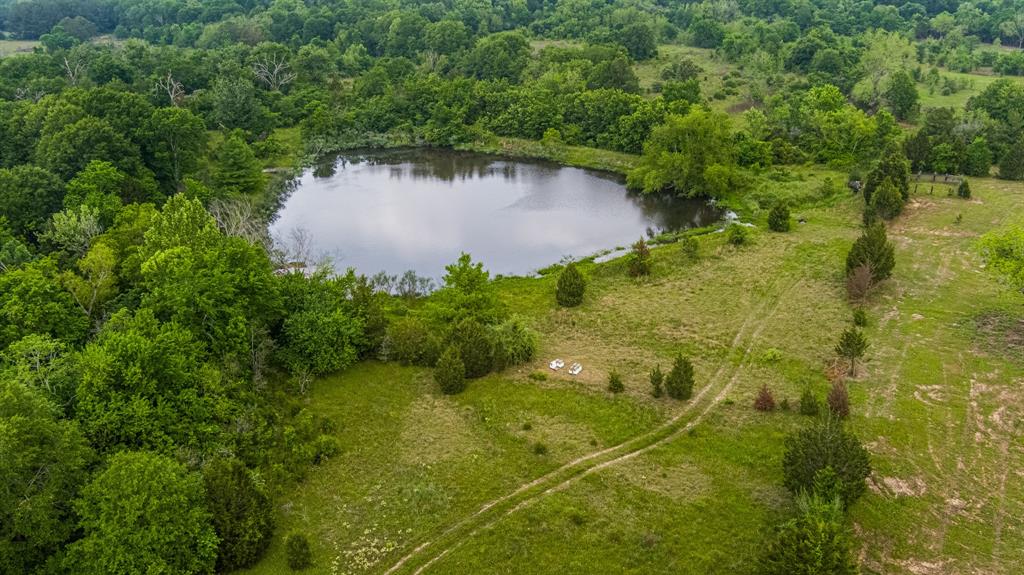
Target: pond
<point x="419" y="209"/>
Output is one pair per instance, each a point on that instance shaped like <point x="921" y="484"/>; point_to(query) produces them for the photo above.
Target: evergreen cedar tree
<point x="822" y="445"/>
<point x="886" y="202"/>
<point x="809" y="404"/>
<point x="964" y="190"/>
<point x="679" y="382"/>
<point x="874" y="249"/>
<point x="476" y="348"/>
<point x="778" y="218"/>
<point x="852" y="345"/>
<point x="640" y="259"/>
<point x="657" y="380"/>
<point x="450" y="372"/>
<point x="1011" y="166"/>
<point x="816" y="541"/>
<point x="893" y="166"/>
<point x="243" y="515"/>
<point x="615" y="382"/>
<point x="571" y="286"/>
<point x="764" y="401"/>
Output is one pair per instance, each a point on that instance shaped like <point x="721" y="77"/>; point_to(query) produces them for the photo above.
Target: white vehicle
<point x="575" y="369"/>
<point x="556" y="364"/>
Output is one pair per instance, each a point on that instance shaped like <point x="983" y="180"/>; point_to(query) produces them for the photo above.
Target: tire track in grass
<point x="560" y="478"/>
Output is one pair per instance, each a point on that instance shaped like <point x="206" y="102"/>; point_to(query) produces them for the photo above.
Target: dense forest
<point x="156" y="343"/>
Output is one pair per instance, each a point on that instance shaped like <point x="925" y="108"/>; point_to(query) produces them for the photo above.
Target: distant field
<point x="714" y="80"/>
<point x="978" y="82"/>
<point x="8" y="47"/>
<point x="940" y="405"/>
<point x="716" y="71"/>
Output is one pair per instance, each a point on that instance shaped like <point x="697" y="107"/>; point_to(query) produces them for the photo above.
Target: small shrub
<point x="410" y="342"/>
<point x="809" y="404"/>
<point x="852" y="345"/>
<point x="571" y="287"/>
<point x="450" y="372"/>
<point x="538" y="376"/>
<point x="576" y="517"/>
<point x="771" y="355"/>
<point x="778" y="218"/>
<point x="964" y="190"/>
<point x="860" y="317"/>
<point x="690" y="248"/>
<point x="640" y="259"/>
<point x="657" y="379"/>
<point x="296" y="550"/>
<point x="839" y="400"/>
<point x="784" y="404"/>
<point x="513" y="342"/>
<point x="615" y="382"/>
<point x="764" y="401"/>
<point x="322" y="448"/>
<point x="527" y="426"/>
<point x="540" y="449"/>
<point x="737" y="235"/>
<point x="679" y="383"/>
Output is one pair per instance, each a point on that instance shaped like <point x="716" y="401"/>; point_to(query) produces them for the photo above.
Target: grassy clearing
<point x="939" y="403"/>
<point x="976" y="84"/>
<point x="9" y="47"/>
<point x="718" y="73"/>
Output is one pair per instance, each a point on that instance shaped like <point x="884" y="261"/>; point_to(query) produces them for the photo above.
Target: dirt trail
<point x="431" y="550"/>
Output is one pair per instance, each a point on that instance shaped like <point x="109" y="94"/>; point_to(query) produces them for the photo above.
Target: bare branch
<point x="174" y="89"/>
<point x="73" y="70"/>
<point x="273" y="71"/>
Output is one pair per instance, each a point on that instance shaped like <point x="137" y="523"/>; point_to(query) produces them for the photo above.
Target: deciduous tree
<point x="144" y="513"/>
<point x="44" y="463"/>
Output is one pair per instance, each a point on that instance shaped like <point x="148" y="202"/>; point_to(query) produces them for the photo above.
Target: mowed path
<point x="426" y="553"/>
<point x="943" y="406"/>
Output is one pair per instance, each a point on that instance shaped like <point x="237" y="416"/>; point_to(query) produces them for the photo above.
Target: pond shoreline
<point x="516" y="212"/>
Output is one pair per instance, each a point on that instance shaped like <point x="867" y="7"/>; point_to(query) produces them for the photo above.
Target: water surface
<point x="419" y="209"/>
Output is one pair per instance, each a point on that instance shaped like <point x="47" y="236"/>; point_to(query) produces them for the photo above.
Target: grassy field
<point x="8" y="47"/>
<point x="630" y="484"/>
<point x="976" y="84"/>
<point x="719" y="75"/>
